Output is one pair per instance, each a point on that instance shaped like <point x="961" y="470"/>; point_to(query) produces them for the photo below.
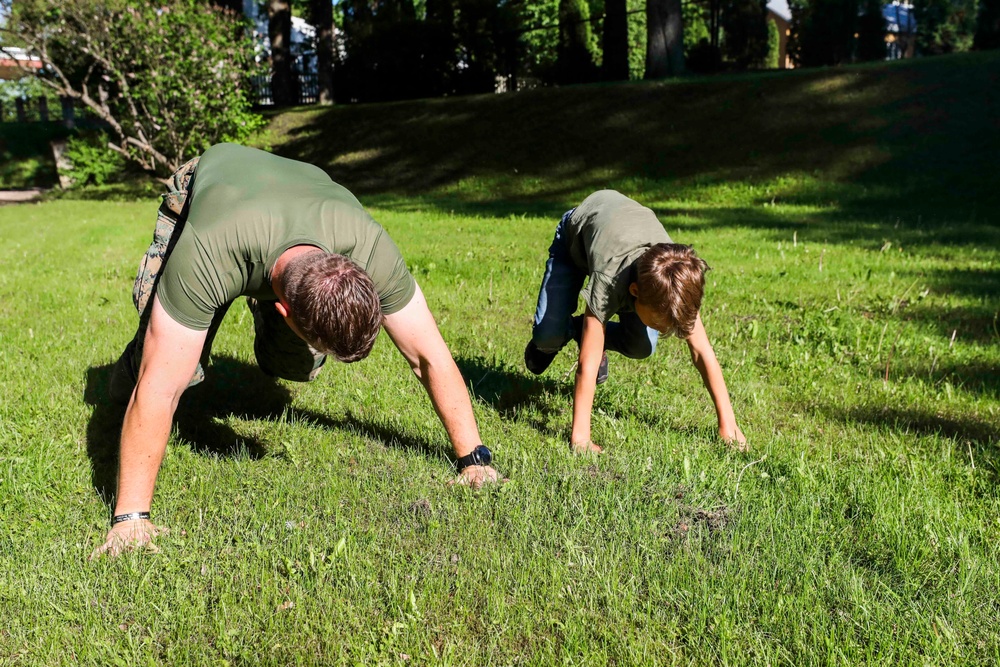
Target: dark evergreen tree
<point x="615" y="40"/>
<point x="988" y="25"/>
<point x="575" y="63"/>
<point x="871" y="32"/>
<point x="744" y="25"/>
<point x="823" y="31"/>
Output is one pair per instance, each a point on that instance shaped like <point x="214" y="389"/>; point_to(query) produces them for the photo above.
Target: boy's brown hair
<point x="671" y="280"/>
<point x="334" y="303"/>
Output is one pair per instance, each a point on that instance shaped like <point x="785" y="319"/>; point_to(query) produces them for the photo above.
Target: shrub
<point x="168" y="78"/>
<point x="93" y="161"/>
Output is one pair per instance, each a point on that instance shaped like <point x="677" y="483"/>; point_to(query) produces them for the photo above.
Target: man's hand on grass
<point x="734" y="437"/>
<point x="476" y="476"/>
<point x="128" y="536"/>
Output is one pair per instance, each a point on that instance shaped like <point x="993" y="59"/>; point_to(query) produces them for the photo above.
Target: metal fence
<point x="47" y="110"/>
<point x="305" y="83"/>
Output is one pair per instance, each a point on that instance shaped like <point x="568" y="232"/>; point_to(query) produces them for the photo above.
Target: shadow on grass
<point x="971" y="436"/>
<point x="921" y="132"/>
<point x="506" y="390"/>
<point x="232" y="388"/>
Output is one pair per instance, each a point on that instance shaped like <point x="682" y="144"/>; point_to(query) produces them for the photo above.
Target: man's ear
<point x="633" y="289"/>
<point x="282" y="308"/>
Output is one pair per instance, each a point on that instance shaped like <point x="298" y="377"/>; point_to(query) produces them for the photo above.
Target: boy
<point x="655" y="287"/>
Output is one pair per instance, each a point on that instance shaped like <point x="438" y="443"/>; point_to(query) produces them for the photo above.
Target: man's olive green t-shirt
<point x="246" y="208"/>
<point x="605" y="235"/>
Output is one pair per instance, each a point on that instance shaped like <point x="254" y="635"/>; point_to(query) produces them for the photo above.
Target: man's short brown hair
<point x="671" y="280"/>
<point x="334" y="303"/>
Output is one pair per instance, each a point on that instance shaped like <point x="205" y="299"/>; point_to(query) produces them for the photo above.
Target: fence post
<point x="43" y="109"/>
<point x="68" y="112"/>
<point x="22" y="117"/>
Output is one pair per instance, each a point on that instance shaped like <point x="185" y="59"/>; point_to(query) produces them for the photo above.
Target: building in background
<point x="303" y="52"/>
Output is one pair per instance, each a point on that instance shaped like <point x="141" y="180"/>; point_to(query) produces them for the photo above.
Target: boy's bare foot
<point x="586" y="448"/>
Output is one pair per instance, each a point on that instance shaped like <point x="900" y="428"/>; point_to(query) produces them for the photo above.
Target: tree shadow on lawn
<point x="969" y="434"/>
<point x="924" y="130"/>
<point x="232" y="388"/>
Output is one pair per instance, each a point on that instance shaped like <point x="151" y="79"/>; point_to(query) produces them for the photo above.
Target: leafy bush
<point x="93" y="161"/>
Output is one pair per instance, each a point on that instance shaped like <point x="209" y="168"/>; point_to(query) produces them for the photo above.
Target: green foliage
<point x="94" y="163"/>
<point x="169" y="78"/>
<point x="773" y="59"/>
<point x="945" y="26"/>
<point x="539" y="40"/>
<point x="636" y="38"/>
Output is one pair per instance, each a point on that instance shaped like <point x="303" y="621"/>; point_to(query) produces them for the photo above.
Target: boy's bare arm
<point x="704" y="360"/>
<point x="591" y="351"/>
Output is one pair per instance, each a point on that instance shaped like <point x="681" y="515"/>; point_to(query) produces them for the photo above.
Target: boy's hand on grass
<point x="128" y="536"/>
<point x="476" y="476"/>
<point x="586" y="447"/>
<point x="734" y="438"/>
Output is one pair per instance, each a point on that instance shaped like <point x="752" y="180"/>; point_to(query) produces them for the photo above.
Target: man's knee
<point x="295" y="371"/>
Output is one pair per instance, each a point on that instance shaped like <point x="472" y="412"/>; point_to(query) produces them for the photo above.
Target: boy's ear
<point x="282" y="308"/>
<point x="633" y="289"/>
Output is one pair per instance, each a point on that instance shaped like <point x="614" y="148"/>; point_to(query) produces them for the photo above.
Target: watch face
<point x="483" y="455"/>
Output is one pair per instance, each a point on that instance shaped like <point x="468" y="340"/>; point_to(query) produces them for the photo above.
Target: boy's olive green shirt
<point x="605" y="235"/>
<point x="246" y="208"/>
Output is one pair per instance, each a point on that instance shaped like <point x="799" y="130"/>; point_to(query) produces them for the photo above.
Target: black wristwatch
<point x="480" y="456"/>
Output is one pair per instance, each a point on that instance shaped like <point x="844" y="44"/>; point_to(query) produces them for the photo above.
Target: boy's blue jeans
<point x="557" y="298"/>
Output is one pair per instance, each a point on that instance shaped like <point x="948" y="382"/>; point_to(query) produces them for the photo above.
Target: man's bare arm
<point x="703" y="357"/>
<point x="170" y="356"/>
<point x="415" y="333"/>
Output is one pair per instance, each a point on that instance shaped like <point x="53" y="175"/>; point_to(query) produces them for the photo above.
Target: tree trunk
<point x="664" y="39"/>
<point x="615" y="40"/>
<point x="322" y="15"/>
<point x="573" y="59"/>
<point x="279" y="30"/>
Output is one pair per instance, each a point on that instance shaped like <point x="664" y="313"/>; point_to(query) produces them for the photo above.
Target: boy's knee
<point x="547" y="340"/>
<point x="640" y="349"/>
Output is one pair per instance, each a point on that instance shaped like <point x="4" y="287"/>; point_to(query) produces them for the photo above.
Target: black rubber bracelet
<point x="131" y="516"/>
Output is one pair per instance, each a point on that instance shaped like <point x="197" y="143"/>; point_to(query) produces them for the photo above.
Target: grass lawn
<point x="853" y="304"/>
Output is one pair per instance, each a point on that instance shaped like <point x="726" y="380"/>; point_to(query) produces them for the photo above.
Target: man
<point x="321" y="278"/>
